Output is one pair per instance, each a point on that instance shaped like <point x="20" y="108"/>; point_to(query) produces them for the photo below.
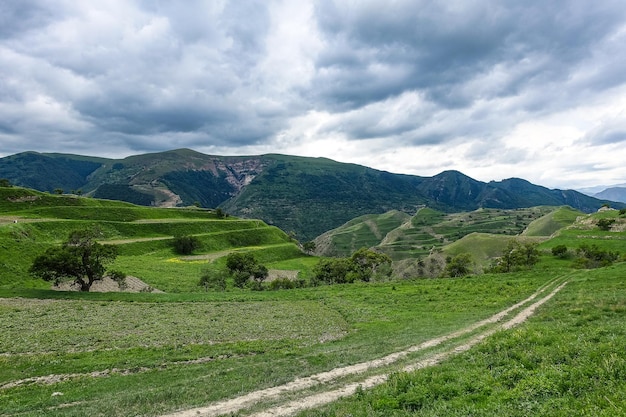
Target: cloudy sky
<point x="496" y="89"/>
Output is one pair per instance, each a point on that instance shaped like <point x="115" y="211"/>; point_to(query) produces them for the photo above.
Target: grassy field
<point x="102" y="354"/>
<point x="566" y="360"/>
<point x="145" y="354"/>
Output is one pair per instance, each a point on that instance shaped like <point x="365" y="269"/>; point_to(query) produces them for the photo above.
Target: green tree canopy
<point x="80" y="259"/>
<point x="460" y="265"/>
<point x="244" y="266"/>
<point x="185" y="245"/>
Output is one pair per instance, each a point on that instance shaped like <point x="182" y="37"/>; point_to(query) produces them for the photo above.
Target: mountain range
<point x="301" y="195"/>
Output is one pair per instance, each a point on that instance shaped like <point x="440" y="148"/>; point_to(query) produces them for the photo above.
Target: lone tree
<point x="460" y="265"/>
<point x="185" y="245"/>
<point x="80" y="259"/>
<point x="244" y="266"/>
<point x="517" y="256"/>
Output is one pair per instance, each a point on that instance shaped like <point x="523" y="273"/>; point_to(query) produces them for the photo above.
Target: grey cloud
<point x="17" y="16"/>
<point x="440" y="47"/>
<point x="609" y="133"/>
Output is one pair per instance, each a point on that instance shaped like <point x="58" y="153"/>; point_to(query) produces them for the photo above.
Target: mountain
<point x="592" y="191"/>
<point x="306" y="196"/>
<point x="613" y="194"/>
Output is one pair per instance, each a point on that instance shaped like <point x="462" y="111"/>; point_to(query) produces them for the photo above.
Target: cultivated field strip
<point x="333" y="393"/>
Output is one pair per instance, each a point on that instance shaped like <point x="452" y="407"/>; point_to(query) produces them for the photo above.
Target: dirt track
<point x="307" y="401"/>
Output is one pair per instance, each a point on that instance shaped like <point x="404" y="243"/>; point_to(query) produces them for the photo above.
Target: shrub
<point x="282" y="283"/>
<point x="591" y="256"/>
<point x="213" y="279"/>
<point x="560" y="251"/>
<point x="185" y="245"/>
<point x="460" y="265"/>
<point x="244" y="266"/>
<point x="605" y="224"/>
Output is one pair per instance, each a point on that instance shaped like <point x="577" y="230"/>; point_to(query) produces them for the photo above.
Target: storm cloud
<point x="494" y="89"/>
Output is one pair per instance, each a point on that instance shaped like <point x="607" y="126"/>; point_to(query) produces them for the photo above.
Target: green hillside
<point x="552" y="222"/>
<point x="429" y="230"/>
<point x="32" y="221"/>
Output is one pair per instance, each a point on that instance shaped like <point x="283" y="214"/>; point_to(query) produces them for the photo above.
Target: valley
<point x="528" y="341"/>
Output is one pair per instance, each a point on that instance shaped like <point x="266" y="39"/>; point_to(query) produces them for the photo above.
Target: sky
<point x="532" y="89"/>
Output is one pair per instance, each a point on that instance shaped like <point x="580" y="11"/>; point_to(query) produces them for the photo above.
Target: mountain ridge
<point x="301" y="195"/>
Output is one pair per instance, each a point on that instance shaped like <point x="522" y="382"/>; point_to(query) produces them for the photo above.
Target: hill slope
<point x="31" y="221"/>
<point x="307" y="196"/>
<point x="430" y="229"/>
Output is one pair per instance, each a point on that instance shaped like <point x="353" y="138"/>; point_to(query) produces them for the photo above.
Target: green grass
<point x="552" y="222"/>
<point x="247" y="340"/>
<point x="566" y="360"/>
<point x="143" y="236"/>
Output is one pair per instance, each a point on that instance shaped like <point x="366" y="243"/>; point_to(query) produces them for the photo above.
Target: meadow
<point x="102" y="354"/>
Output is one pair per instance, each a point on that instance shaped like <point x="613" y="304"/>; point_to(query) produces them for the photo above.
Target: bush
<point x="213" y="279"/>
<point x="282" y="284"/>
<point x="244" y="266"/>
<point x="605" y="224"/>
<point x="591" y="256"/>
<point x="185" y="245"/>
<point x="516" y="256"/>
<point x="460" y="265"/>
<point x="560" y="251"/>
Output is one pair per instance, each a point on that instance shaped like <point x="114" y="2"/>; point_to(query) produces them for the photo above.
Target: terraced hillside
<point x="402" y="236"/>
<point x="32" y="221"/>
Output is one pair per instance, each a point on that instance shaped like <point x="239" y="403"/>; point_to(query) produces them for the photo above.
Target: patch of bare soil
<point x="133" y="284"/>
<point x="310" y="401"/>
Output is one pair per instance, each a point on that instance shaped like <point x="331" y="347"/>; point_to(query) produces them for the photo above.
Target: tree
<point x="80" y="259"/>
<point x="244" y="266"/>
<point x="58" y="191"/>
<point x="460" y="265"/>
<point x="185" y="245"/>
<point x="259" y="274"/>
<point x="516" y="256"/>
<point x="5" y="183"/>
<point x="366" y="263"/>
<point x="220" y="214"/>
<point x="560" y="251"/>
<point x="309" y="247"/>
<point x="333" y="271"/>
<point x="605" y="224"/>
<point x="529" y="254"/>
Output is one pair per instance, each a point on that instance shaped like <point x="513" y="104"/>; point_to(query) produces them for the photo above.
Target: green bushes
<point x="243" y="266"/>
<point x="591" y="256"/>
<point x="516" y="256"/>
<point x="560" y="251"/>
<point x="185" y="245"/>
<point x="605" y="224"/>
<point x="363" y="265"/>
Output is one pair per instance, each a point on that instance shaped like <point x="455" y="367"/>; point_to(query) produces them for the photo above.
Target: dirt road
<point x="306" y="401"/>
